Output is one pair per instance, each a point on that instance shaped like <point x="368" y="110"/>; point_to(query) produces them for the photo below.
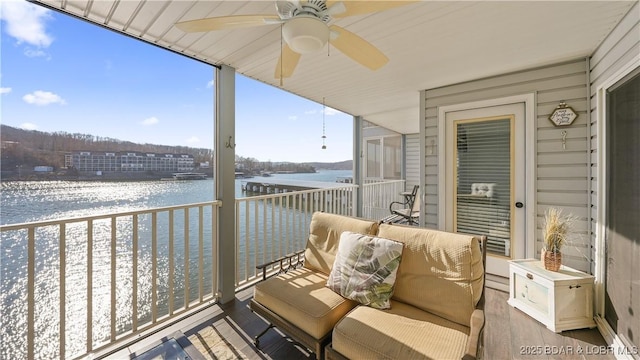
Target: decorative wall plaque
<point x="563" y="115"/>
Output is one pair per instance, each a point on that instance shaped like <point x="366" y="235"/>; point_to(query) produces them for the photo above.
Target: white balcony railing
<point x="271" y="226"/>
<point x="377" y="196"/>
<point x="124" y="274"/>
<point x="118" y="275"/>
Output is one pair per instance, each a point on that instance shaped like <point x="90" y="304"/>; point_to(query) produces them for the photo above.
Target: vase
<point x="551" y="260"/>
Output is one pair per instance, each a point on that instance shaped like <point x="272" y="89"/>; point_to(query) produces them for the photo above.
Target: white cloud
<point x="330" y="111"/>
<point x="327" y="111"/>
<point x="42" y="98"/>
<point x="5" y="90"/>
<point x="193" y="140"/>
<point x="28" y="126"/>
<point x="293" y="117"/>
<point x="150" y="121"/>
<point x="210" y="84"/>
<point x="26" y="22"/>
<point x="34" y="53"/>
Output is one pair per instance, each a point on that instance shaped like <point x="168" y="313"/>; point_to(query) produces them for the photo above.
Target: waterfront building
<point x="128" y="161"/>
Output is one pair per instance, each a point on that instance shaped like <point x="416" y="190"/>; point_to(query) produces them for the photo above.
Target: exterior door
<point x="622" y="235"/>
<point x="485" y="179"/>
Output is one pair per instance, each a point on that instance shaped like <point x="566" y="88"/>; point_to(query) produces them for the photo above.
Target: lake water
<point x="22" y="202"/>
<point x="26" y="201"/>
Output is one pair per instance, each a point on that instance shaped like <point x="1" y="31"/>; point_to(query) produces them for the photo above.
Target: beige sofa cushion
<point x="440" y="272"/>
<point x="402" y="332"/>
<point x="324" y="233"/>
<point x="301" y="297"/>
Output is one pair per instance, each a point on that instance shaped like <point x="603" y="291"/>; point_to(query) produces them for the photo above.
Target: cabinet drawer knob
<point x="574" y="286"/>
<point x="529" y="276"/>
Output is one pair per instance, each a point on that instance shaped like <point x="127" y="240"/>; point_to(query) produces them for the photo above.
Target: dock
<point x="276" y="186"/>
<point x="186" y="176"/>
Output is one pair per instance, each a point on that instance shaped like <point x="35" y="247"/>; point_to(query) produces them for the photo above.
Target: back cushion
<point x="440" y="272"/>
<point x="324" y="234"/>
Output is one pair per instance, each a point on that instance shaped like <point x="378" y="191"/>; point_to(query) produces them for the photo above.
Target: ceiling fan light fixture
<point x="305" y="34"/>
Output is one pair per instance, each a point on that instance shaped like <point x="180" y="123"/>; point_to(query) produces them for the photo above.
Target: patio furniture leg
<point x="257" y="338"/>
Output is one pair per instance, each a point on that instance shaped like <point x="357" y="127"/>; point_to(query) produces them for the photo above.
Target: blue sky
<point x="58" y="73"/>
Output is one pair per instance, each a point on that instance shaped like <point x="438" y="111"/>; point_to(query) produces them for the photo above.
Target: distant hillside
<point x="29" y="148"/>
<point x="250" y="165"/>
<point x="342" y="165"/>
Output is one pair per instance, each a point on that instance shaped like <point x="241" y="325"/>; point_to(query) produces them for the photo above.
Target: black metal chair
<point x="407" y="211"/>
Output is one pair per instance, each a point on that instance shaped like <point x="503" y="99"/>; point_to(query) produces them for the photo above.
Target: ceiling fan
<point x="306" y="29"/>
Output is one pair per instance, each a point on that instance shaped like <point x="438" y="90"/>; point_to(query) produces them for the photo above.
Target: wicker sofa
<point x="437" y="307"/>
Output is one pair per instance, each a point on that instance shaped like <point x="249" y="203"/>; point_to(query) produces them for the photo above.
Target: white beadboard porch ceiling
<point x="429" y="44"/>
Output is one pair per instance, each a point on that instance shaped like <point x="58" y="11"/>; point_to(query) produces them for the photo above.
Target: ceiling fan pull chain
<point x="324" y="136"/>
<point x="281" y="56"/>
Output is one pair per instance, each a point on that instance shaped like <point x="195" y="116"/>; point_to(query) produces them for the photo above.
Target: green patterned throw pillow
<point x="365" y="269"/>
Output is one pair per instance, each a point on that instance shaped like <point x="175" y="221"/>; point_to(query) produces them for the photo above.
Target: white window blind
<point x="484" y="179"/>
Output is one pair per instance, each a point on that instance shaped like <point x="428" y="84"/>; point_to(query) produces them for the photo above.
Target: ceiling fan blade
<point x="287" y="62"/>
<point x="226" y="22"/>
<point x="357" y="7"/>
<point x="358" y="48"/>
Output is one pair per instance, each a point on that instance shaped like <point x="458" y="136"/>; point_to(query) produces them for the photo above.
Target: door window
<point x="374" y="165"/>
<point x="392" y="156"/>
<point x="384" y="158"/>
<point x="483" y="180"/>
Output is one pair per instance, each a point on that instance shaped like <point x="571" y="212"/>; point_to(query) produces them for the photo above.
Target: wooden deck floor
<point x="509" y="334"/>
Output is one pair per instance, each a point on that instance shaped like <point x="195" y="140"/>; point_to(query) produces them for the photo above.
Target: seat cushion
<point x="401" y="332"/>
<point x="440" y="272"/>
<point x="324" y="235"/>
<point x="301" y="297"/>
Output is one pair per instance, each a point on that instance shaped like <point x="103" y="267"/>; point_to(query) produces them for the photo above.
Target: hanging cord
<point x="329" y="44"/>
<point x="324" y="110"/>
<point x="281" y="53"/>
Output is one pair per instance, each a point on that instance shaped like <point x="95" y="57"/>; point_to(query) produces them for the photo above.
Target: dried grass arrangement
<point x="556" y="230"/>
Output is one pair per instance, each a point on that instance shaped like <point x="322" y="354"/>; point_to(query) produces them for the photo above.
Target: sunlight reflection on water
<point x="24" y="201"/>
<point x="37" y="201"/>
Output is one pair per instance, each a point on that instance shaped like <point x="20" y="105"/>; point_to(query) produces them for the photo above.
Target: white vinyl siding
<point x="412" y="160"/>
<point x="562" y="173"/>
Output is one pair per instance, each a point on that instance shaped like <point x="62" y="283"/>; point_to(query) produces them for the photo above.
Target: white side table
<point x="560" y="300"/>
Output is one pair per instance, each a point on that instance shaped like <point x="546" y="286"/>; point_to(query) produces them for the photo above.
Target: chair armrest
<point x="287" y="262"/>
<point x="402" y="204"/>
<point x="475" y="343"/>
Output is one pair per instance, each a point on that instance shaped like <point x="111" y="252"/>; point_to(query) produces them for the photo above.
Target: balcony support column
<point x="224" y="173"/>
<point x="357" y="163"/>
